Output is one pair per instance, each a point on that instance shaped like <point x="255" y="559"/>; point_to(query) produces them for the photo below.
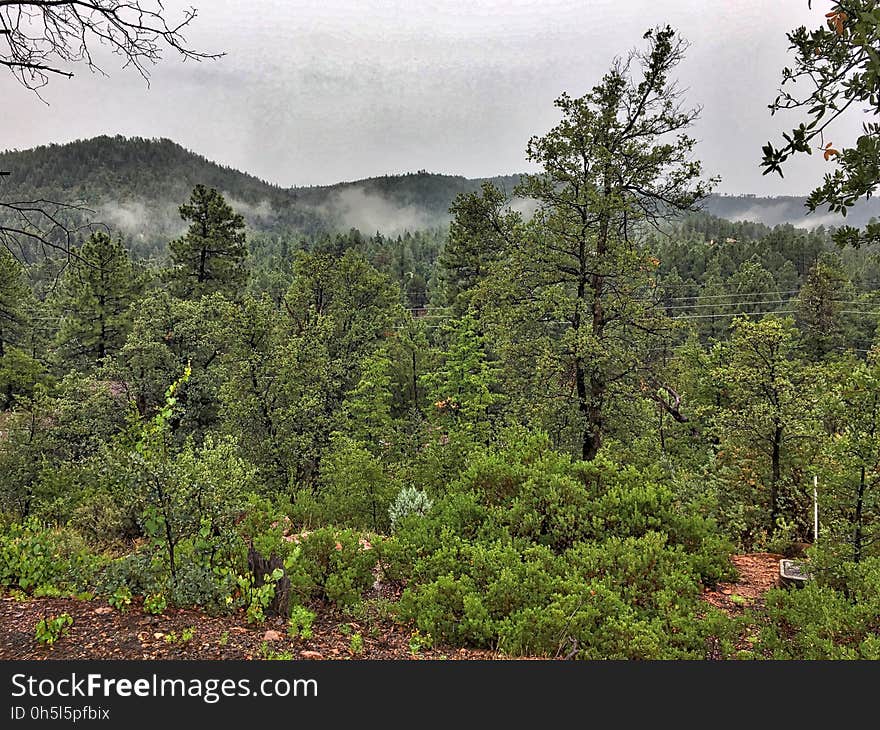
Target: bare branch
<point x="40" y="39"/>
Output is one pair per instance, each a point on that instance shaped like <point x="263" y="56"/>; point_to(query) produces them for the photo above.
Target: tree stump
<point x="262" y="568"/>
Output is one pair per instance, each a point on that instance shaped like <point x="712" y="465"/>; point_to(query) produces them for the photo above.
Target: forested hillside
<point x="136" y="185"/>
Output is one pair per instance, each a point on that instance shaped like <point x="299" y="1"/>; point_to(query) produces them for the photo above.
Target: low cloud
<point x="353" y="207"/>
<point x="261" y="212"/>
<point x="136" y="219"/>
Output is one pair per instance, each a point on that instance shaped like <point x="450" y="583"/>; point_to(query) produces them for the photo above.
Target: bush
<point x="533" y="553"/>
<point x="35" y="557"/>
<point x="831" y="617"/>
<point x="333" y="565"/>
<point x="299" y="626"/>
<point x="409" y="501"/>
<point x="355" y="491"/>
<point x="49" y="630"/>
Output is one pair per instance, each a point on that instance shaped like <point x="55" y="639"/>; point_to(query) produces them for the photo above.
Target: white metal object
<point x="815" y="509"/>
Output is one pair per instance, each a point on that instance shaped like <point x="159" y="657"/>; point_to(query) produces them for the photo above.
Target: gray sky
<point x="318" y="92"/>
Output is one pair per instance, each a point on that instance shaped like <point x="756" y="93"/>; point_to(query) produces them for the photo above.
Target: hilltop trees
<point x="210" y="257"/>
<point x="45" y="39"/>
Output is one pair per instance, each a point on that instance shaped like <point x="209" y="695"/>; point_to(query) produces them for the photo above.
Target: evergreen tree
<point x="94" y="302"/>
<point x="819" y="306"/>
<point x="575" y="283"/>
<point x="20" y="369"/>
<point x="13" y="292"/>
<point x="768" y="419"/>
<point x="210" y="257"/>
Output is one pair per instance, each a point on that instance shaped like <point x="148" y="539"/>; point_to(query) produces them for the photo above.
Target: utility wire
<point x="733" y="314"/>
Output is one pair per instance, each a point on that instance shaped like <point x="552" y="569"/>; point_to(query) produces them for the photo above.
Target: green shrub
<point x="121" y="599"/>
<point x="299" y="626"/>
<point x="533" y="553"/>
<point x="33" y="556"/>
<point x="355" y="491"/>
<point x="409" y="501"/>
<point x="155" y="603"/>
<point x="356" y="644"/>
<point x="334" y="566"/>
<point x="49" y="630"/>
<point x="834" y="616"/>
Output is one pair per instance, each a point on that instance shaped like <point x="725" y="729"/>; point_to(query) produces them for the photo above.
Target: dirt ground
<point x="101" y="632"/>
<point x="758" y="573"/>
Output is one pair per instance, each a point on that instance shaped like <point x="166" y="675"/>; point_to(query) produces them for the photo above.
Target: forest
<point x="529" y="430"/>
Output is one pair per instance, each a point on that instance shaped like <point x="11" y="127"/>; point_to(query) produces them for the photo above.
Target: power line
<point x="731" y="304"/>
<point x="733" y="294"/>
<point x="732" y="314"/>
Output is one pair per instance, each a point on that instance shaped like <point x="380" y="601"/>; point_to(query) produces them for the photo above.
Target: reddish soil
<point x="758" y="573"/>
<point x="101" y="632"/>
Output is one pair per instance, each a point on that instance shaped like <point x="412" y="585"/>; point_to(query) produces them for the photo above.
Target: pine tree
<point x="210" y="256"/>
<point x="94" y="302"/>
<point x="570" y="301"/>
<point x="13" y="291"/>
<point x="20" y="370"/>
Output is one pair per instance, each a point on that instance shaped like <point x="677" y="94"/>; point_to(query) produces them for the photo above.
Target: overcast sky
<point x="318" y="92"/>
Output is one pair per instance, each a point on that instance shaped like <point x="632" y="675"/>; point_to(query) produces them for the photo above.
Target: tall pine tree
<point x="210" y="256"/>
<point x="94" y="302"/>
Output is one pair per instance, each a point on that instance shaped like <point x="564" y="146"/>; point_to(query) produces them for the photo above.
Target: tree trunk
<point x="775" y="476"/>
<point x="262" y="569"/>
<point x="203" y="257"/>
<point x="860" y="503"/>
<point x="415" y="382"/>
<point x="102" y="341"/>
<point x="595" y="412"/>
<point x="580" y="379"/>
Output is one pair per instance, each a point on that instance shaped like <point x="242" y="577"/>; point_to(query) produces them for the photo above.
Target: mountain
<point x="135" y="185"/>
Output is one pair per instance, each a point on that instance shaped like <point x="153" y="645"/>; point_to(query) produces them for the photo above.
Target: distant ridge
<point x="136" y="184"/>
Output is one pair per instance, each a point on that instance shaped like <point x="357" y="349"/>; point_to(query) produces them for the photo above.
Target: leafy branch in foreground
<point x="840" y="64"/>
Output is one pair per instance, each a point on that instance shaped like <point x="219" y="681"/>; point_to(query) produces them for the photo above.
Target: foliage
<point x="409" y="501"/>
<point x="535" y="553"/>
<point x="120" y="599"/>
<point x="186" y="635"/>
<point x="258" y="594"/>
<point x="210" y="257"/>
<point x="595" y="393"/>
<point x="49" y="630"/>
<point x="356" y="644"/>
<point x="34" y="557"/>
<point x="767" y="418"/>
<point x="335" y="566"/>
<point x="826" y="619"/>
<point x="840" y="64"/>
<point x="355" y="491"/>
<point x="187" y="499"/>
<point x="155" y="603"/>
<point x="299" y="625"/>
<point x="93" y="302"/>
